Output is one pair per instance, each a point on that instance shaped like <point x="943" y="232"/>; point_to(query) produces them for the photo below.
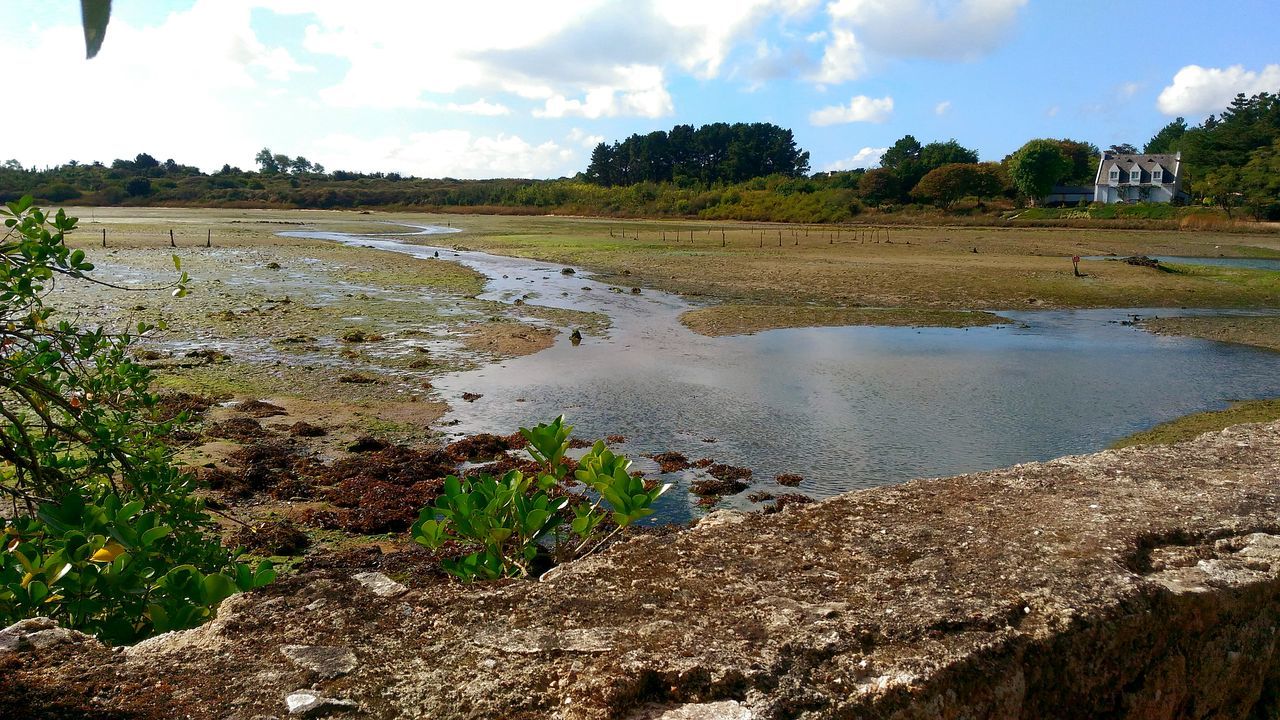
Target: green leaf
<point x="155" y="533"/>
<point x="95" y="15"/>
<point x="217" y="587"/>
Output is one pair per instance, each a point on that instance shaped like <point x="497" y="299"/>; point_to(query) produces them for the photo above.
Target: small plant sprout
<point x="506" y="520"/>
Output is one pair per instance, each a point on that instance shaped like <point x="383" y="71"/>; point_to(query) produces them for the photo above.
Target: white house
<point x="1138" y="178"/>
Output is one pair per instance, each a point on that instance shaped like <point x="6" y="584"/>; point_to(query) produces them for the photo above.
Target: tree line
<point x="1232" y="158"/>
<point x="718" y="171"/>
<point x="685" y="155"/>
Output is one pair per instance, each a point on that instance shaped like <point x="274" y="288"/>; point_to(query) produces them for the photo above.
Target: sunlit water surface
<point x="845" y="407"/>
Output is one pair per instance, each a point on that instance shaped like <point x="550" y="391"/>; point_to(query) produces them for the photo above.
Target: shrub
<point x="138" y="187"/>
<point x="509" y="518"/>
<point x="103" y="532"/>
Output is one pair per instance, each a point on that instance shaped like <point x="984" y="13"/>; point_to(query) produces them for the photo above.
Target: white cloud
<point x="580" y="137"/>
<point x="578" y="57"/>
<point x="1053" y="111"/>
<point x="449" y="153"/>
<point x="865" y="29"/>
<point x="842" y="60"/>
<point x="860" y="109"/>
<point x="718" y="24"/>
<point x="867" y="157"/>
<point x="1198" y="90"/>
<point x="480" y="107"/>
<point x="1128" y="90"/>
<point x="920" y="28"/>
<point x="771" y="62"/>
<point x="640" y="92"/>
<point x="942" y="108"/>
<point x="186" y="88"/>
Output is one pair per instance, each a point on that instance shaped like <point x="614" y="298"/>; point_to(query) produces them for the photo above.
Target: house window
<point x="1135" y="175"/>
<point x="1115" y="174"/>
<point x="1157" y="176"/>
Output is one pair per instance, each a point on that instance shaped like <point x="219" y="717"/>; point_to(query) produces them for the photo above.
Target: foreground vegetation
<point x="102" y="531"/>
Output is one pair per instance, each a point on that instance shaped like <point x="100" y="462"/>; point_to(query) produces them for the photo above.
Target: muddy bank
<point x="731" y="319"/>
<point x="1263" y="332"/>
<point x="1138" y="583"/>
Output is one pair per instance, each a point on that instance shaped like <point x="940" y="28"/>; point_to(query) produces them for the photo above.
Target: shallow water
<point x="1252" y="263"/>
<point x="846" y="407"/>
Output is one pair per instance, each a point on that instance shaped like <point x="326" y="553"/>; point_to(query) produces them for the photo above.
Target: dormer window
<point x="1115" y="175"/>
<point x="1157" y="175"/>
<point x="1135" y="175"/>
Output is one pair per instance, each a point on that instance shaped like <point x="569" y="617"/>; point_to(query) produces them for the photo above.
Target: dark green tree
<point x="1167" y="139"/>
<point x="945" y="185"/>
<point x="878" y="186"/>
<point x="1036" y="167"/>
<point x="267" y="163"/>
<point x="1084" y="158"/>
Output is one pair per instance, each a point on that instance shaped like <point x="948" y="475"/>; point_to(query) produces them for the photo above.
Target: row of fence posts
<point x="208" y="238"/>
<point x="859" y="234"/>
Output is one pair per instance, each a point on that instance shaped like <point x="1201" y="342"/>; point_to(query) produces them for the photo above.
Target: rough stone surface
<point x="380" y="584"/>
<point x="327" y="662"/>
<point x="38" y="633"/>
<point x="305" y="703"/>
<point x="1141" y="583"/>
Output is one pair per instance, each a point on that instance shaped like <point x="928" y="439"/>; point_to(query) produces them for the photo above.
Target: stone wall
<point x="1138" y="583"/>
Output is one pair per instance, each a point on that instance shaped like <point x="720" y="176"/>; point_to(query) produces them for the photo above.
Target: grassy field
<point x="939" y="268"/>
<point x="732" y="319"/>
<point x="1190" y="426"/>
<point x="776" y="266"/>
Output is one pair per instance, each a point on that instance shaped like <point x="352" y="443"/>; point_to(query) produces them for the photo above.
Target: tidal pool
<point x="845" y="407"/>
<point x="1238" y="262"/>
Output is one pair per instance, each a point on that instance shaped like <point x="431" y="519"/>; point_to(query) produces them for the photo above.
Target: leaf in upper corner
<point x="95" y="14"/>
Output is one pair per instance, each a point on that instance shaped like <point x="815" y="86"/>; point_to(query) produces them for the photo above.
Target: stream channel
<point x="844" y="407"/>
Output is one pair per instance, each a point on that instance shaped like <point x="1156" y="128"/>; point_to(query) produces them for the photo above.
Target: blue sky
<point x="501" y="89"/>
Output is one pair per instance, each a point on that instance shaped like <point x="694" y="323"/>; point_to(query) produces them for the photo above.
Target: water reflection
<point x="846" y="407"/>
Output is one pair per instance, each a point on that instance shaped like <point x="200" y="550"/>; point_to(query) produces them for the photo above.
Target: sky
<point x="525" y="89"/>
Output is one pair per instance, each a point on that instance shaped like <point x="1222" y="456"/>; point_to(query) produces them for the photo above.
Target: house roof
<point x="1168" y="162"/>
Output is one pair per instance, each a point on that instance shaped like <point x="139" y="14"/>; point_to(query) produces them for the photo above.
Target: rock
<point x="723" y="710"/>
<point x="367" y="443"/>
<point x="567" y="271"/>
<point x="14" y="637"/>
<point x="1135" y="584"/>
<point x="380" y="584"/>
<point x="305" y="429"/>
<point x="38" y="633"/>
<point x="57" y="636"/>
<point x="789" y="480"/>
<point x="306" y="703"/>
<point x="326" y="661"/>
